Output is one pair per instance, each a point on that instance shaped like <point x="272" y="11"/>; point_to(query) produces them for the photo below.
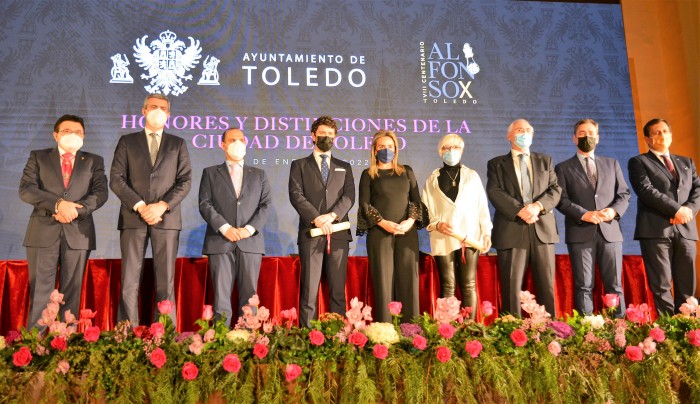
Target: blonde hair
<point x="450" y="137"/>
<point x="373" y="169"/>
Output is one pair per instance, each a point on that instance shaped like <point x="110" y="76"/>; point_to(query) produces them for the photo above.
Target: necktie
<point x="590" y="172"/>
<point x="670" y="167"/>
<point x="236" y="178"/>
<point x="525" y="183"/>
<point x="66" y="168"/>
<point x="324" y="168"/>
<point x="154" y="147"/>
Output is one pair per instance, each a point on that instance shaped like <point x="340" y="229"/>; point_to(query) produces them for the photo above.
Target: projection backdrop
<point x="421" y="68"/>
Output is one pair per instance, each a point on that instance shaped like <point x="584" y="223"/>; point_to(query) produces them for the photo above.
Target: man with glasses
<point x="64" y="185"/>
<point x="523" y="189"/>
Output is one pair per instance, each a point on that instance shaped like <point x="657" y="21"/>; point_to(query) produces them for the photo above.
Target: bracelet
<point x="55" y="207"/>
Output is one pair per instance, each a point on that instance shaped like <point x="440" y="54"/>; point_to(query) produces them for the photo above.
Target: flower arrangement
<point x="349" y="358"/>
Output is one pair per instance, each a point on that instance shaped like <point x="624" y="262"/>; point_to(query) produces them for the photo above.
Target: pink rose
<point x="518" y="337"/>
<point x="419" y="342"/>
<point x="254" y="301"/>
<point x="395" y="308"/>
<point x="443" y="354"/>
<point x="92" y="334"/>
<point x="446" y="330"/>
<point x="648" y="346"/>
<point x="316" y="337"/>
<point x="473" y="348"/>
<point x="210" y="335"/>
<point x="197" y="344"/>
<point x="260" y="351"/>
<point x="693" y="337"/>
<point x="157" y="330"/>
<point x="657" y="334"/>
<point x="358" y="339"/>
<point x="292" y="371"/>
<point x="486" y="308"/>
<point x="634" y="353"/>
<point x="158" y="358"/>
<point x="165" y="306"/>
<point x="62" y="367"/>
<point x="22" y="357"/>
<point x="207" y="312"/>
<point x="380" y="351"/>
<point x="189" y="371"/>
<point x="611" y="300"/>
<point x="554" y="348"/>
<point x="59" y="344"/>
<point x="231" y="363"/>
<point x="635" y="314"/>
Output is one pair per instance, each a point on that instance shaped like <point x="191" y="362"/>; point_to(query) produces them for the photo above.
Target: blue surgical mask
<point x="385" y="155"/>
<point x="451" y="157"/>
<point x="523" y="140"/>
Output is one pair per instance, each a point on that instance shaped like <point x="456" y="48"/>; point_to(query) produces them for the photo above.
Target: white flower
<point x="382" y="333"/>
<point x="596" y="322"/>
<point x="238" y="336"/>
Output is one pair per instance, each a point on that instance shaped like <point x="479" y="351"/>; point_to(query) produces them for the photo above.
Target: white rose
<point x="238" y="336"/>
<point x="382" y="333"/>
<point x="596" y="322"/>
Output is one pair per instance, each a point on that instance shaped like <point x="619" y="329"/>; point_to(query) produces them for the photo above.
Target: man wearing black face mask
<point x="322" y="190"/>
<point x="594" y="197"/>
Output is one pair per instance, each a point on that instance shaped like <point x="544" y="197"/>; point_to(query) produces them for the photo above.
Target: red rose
<point x="142" y="332"/>
<point x="611" y="300"/>
<point x="634" y="353"/>
<point x="394" y="308"/>
<point x="473" y="348"/>
<point x="189" y="371"/>
<point x="443" y="354"/>
<point x="316" y="337"/>
<point x="358" y="339"/>
<point x="158" y="358"/>
<point x="380" y="351"/>
<point x="419" y="342"/>
<point x="657" y="334"/>
<point x="292" y="371"/>
<point x="446" y="330"/>
<point x="207" y="312"/>
<point x="231" y="363"/>
<point x="518" y="337"/>
<point x="260" y="351"/>
<point x="693" y="337"/>
<point x="92" y="334"/>
<point x="157" y="329"/>
<point x="22" y="357"/>
<point x="59" y="344"/>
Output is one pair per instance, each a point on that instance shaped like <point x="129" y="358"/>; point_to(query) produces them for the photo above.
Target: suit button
<point x="238" y="203"/>
<point x="65" y="194"/>
<point x="596" y="195"/>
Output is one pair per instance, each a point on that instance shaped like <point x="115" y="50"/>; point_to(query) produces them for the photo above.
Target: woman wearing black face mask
<point x="390" y="214"/>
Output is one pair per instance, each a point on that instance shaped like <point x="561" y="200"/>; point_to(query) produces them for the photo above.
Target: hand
<point x="60" y="218"/>
<point x="152" y="213"/>
<point x="325" y="223"/>
<point x="68" y="211"/>
<point x="683" y="216"/>
<point x="390" y="226"/>
<point x="608" y="214"/>
<point x="444" y="227"/>
<point x="530" y="213"/>
<point x="232" y="234"/>
<point x="486" y="242"/>
<point x="592" y="216"/>
<point x="243" y="233"/>
<point x="406" y="225"/>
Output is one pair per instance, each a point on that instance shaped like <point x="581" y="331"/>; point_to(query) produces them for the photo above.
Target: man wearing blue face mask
<point x="522" y="187"/>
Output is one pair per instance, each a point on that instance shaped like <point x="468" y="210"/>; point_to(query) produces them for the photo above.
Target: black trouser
<point x="451" y="267"/>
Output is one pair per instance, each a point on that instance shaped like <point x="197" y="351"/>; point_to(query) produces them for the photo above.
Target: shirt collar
<point x="317" y="155"/>
<point x="581" y="157"/>
<point x="61" y="152"/>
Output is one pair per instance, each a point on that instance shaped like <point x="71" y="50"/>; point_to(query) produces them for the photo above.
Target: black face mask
<point x="324" y="143"/>
<point x="586" y="144"/>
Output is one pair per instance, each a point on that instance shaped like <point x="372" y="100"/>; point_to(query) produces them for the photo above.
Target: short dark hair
<point x="647" y="127"/>
<point x="585" y="120"/>
<point x="68" y="117"/>
<point x="324" y="120"/>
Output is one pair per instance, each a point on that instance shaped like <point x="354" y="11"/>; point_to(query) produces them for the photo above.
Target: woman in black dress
<point x="390" y="212"/>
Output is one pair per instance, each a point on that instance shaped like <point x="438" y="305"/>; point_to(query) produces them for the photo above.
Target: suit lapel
<point x="55" y="158"/>
<point x="247" y="178"/>
<point x="226" y="178"/>
<point x="316" y="169"/>
<point x="77" y="166"/>
<point x="655" y="160"/>
<point x="581" y="172"/>
<point x="509" y="170"/>
<point x="164" y="142"/>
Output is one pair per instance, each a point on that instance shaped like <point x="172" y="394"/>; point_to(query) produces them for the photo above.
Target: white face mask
<point x="156" y="118"/>
<point x="236" y="150"/>
<point x="70" y="142"/>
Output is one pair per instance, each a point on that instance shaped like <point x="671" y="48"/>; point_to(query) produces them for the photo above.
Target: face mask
<point x="324" y="143"/>
<point x="236" y="150"/>
<point x="586" y="144"/>
<point x="70" y="142"/>
<point x="385" y="155"/>
<point x="451" y="157"/>
<point x="523" y="141"/>
<point x="156" y="118"/>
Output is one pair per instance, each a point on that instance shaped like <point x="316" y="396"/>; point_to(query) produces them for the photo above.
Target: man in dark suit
<point x="668" y="198"/>
<point x="523" y="189"/>
<point x="594" y="196"/>
<point x="234" y="201"/>
<point x="151" y="175"/>
<point x="65" y="185"/>
<point x="322" y="190"/>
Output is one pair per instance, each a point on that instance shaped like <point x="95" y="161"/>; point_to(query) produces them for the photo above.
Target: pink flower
<point x="634" y="353"/>
<point x="165" y="306"/>
<point x="92" y="334"/>
<point x="157" y="330"/>
<point x="59" y="344"/>
<point x="518" y="337"/>
<point x="611" y="300"/>
<point x="22" y="357"/>
<point x="657" y="334"/>
<point x="358" y="339"/>
<point x="648" y="346"/>
<point x="56" y="297"/>
<point x="210" y="335"/>
<point x="289" y="317"/>
<point x="419" y="342"/>
<point x="446" y="330"/>
<point x="443" y="354"/>
<point x="486" y="308"/>
<point x="197" y="345"/>
<point x="207" y="312"/>
<point x="380" y="351"/>
<point x="86" y="316"/>
<point x="693" y="337"/>
<point x="473" y="348"/>
<point x="317" y="338"/>
<point x="158" y="358"/>
<point x="554" y="348"/>
<point x="231" y="363"/>
<point x="189" y="371"/>
<point x="395" y="308"/>
<point x="62" y="367"/>
<point x="260" y="351"/>
<point x="68" y="317"/>
<point x="254" y="301"/>
<point x="292" y="371"/>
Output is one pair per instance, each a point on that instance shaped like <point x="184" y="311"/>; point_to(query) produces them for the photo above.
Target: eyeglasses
<point x="520" y="131"/>
<point x="455" y="147"/>
<point x="68" y="131"/>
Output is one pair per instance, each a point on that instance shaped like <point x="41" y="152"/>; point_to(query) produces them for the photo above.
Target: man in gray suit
<point x="322" y="190"/>
<point x="523" y="189"/>
<point x="234" y="200"/>
<point x="151" y="175"/>
<point x="594" y="196"/>
<point x="65" y="185"/>
<point x="668" y="199"/>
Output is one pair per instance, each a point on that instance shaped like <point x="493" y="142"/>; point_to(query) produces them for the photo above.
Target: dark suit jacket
<point x="310" y="197"/>
<point x="219" y="205"/>
<point x="579" y="197"/>
<point x="659" y="197"/>
<point x="133" y="179"/>
<point x="42" y="185"/>
<point x="503" y="190"/>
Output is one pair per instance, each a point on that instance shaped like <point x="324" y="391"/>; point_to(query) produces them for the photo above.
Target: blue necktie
<point x="324" y="168"/>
